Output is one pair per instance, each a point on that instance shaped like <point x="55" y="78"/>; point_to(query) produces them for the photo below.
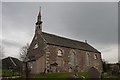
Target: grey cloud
<point x="10" y="43"/>
<point x="97" y="22"/>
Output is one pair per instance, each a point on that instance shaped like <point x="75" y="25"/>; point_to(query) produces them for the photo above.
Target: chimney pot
<point x="85" y="41"/>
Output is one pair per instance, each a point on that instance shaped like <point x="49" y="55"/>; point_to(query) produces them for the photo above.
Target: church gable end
<point x="38" y="44"/>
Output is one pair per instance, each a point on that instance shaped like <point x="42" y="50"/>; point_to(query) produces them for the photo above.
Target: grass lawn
<point x="9" y="73"/>
<point x="60" y="75"/>
<point x="66" y="76"/>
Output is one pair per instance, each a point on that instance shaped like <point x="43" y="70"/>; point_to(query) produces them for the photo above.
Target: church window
<point x="60" y="58"/>
<point x="59" y="53"/>
<point x="73" y="60"/>
<point x="87" y="59"/>
<point x="95" y="56"/>
<point x="36" y="46"/>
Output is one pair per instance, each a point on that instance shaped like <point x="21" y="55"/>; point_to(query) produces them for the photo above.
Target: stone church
<point x="54" y="53"/>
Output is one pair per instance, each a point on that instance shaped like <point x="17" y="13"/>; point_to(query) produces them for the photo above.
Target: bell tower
<point x="39" y="23"/>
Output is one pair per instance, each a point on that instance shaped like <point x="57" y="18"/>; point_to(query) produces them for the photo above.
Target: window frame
<point x="73" y="61"/>
<point x="95" y="56"/>
<point x="59" y="54"/>
<point x="60" y="59"/>
<point x="88" y="59"/>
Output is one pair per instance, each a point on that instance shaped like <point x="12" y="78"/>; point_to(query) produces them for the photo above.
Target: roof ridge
<point x="64" y="37"/>
<point x="67" y="42"/>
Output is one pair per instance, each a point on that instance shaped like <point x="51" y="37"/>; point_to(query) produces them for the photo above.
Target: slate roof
<point x="65" y="42"/>
<point x="11" y="62"/>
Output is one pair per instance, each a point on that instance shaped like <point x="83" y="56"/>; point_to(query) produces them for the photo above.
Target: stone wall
<point x="44" y="62"/>
<point x="95" y="59"/>
<point x="38" y="66"/>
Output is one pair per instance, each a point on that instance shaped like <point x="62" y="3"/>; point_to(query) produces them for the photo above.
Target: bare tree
<point x="23" y="52"/>
<point x="23" y="57"/>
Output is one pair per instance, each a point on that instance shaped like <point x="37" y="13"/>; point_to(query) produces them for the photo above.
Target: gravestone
<point x="93" y="73"/>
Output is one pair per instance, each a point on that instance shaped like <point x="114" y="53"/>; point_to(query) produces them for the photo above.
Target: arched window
<point x="73" y="60"/>
<point x="60" y="61"/>
<point x="36" y="46"/>
<point x="59" y="53"/>
<point x="95" y="56"/>
<point x="87" y="59"/>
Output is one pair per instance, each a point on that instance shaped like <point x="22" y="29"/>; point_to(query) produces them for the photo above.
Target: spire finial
<point x="40" y="9"/>
<point x="39" y="22"/>
<point x="39" y="16"/>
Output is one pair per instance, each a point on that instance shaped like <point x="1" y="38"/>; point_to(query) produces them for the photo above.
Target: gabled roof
<point x="11" y="62"/>
<point x="65" y="42"/>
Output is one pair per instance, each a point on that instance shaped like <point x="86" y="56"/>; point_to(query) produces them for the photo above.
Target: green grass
<point x="85" y="74"/>
<point x="60" y="75"/>
<point x="66" y="76"/>
<point x="9" y="73"/>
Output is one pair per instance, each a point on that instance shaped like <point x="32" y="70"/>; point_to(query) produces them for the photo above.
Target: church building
<point x="54" y="53"/>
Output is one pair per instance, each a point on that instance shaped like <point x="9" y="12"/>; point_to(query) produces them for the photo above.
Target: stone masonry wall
<point x="80" y="55"/>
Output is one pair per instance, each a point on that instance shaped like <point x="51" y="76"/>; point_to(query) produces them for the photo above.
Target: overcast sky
<point x="59" y="0"/>
<point x="95" y="22"/>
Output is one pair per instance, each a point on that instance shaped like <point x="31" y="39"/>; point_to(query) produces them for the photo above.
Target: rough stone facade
<point x="95" y="59"/>
<point x="57" y="54"/>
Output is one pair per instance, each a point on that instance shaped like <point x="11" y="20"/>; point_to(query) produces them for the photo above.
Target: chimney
<point x="85" y="41"/>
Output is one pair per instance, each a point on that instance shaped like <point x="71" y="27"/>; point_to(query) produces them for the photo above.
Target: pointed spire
<point x="39" y="17"/>
<point x="39" y="14"/>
